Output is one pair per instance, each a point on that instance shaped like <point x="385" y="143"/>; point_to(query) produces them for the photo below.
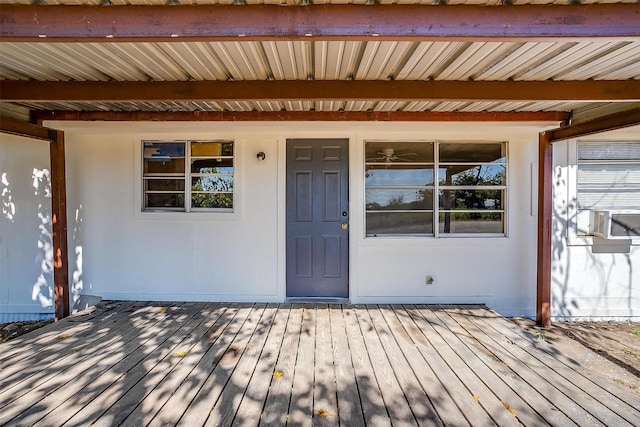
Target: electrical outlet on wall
<point x="428" y="280"/>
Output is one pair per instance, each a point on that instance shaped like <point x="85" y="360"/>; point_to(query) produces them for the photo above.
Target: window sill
<point x="187" y="216"/>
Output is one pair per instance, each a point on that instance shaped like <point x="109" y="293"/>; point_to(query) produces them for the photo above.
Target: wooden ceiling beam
<point x="606" y="123"/>
<point x="28" y="130"/>
<point x="125" y="23"/>
<point x="311" y="116"/>
<point x="317" y="90"/>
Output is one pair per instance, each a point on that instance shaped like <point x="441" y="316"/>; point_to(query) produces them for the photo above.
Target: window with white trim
<point x="187" y="176"/>
<point x="403" y="197"/>
<point x="609" y="180"/>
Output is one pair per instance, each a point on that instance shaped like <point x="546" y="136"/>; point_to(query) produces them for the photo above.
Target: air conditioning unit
<point x="615" y="224"/>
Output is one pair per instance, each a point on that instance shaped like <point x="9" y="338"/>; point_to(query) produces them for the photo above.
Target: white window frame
<point x="436" y="187"/>
<point x="188" y="175"/>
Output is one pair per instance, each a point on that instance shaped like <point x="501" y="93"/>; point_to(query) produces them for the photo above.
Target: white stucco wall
<point x="26" y="280"/>
<point x="591" y="282"/>
<point x="120" y="252"/>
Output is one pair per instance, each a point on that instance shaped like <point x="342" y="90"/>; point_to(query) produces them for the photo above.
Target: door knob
<point x="344" y="225"/>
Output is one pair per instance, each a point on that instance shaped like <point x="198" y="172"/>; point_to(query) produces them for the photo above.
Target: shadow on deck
<point x="142" y="363"/>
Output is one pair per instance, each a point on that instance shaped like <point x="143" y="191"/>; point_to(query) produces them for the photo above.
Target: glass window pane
<point x="398" y="199"/>
<point x="164" y="184"/>
<point x="471" y="222"/>
<point x="471" y="199"/>
<point x="485" y="152"/>
<point x="160" y="151"/>
<point x="211" y="149"/>
<point x="212" y="183"/>
<point x="209" y="200"/>
<point x="625" y="224"/>
<point x="172" y="200"/>
<point x="398" y="152"/>
<point x="164" y="166"/>
<point x="212" y="166"/>
<point x="390" y="223"/>
<point x="398" y="175"/>
<point x="472" y="175"/>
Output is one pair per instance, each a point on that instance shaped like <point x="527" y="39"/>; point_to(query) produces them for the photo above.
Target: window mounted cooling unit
<point x="615" y="224"/>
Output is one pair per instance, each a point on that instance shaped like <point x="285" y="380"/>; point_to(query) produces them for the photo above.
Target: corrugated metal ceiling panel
<point x="320" y="60"/>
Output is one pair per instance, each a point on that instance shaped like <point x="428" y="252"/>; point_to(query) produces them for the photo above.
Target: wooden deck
<point x="192" y="364"/>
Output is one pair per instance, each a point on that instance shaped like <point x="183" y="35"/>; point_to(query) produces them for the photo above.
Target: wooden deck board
<point x="200" y="408"/>
<point x="253" y="399"/>
<point x="195" y="364"/>
<point x="414" y="391"/>
<point x="219" y="340"/>
<point x="373" y="406"/>
<point x="325" y="401"/>
<point x="301" y="407"/>
<point x="276" y="407"/>
<point x="394" y="398"/>
<point x="567" y="382"/>
<point x="517" y="374"/>
<point x="452" y="333"/>
<point x="59" y="383"/>
<point x="349" y="405"/>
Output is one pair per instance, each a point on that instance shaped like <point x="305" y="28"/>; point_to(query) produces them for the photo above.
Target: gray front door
<point x="317" y="218"/>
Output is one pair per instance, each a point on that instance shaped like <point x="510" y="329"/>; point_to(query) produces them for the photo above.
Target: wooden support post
<point x="59" y="224"/>
<point x="545" y="206"/>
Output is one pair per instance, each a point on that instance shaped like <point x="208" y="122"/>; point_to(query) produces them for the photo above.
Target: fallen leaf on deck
<point x="161" y="310"/>
<point x="180" y="353"/>
<point x="477" y="398"/>
<point x="509" y="408"/>
<point x="277" y="374"/>
<point x="249" y="345"/>
<point x="63" y="336"/>
<point x="324" y="413"/>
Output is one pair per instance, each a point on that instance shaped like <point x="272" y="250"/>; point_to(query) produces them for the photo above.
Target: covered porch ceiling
<point x="334" y="61"/>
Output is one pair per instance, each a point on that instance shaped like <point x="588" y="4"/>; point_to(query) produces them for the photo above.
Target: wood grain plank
<point x="253" y="401"/>
<point x="36" y="367"/>
<point x="451" y="333"/>
<point x="42" y="338"/>
<point x="72" y="377"/>
<point x="226" y="408"/>
<point x="349" y="406"/>
<point x="301" y="408"/>
<point x="199" y="409"/>
<point x="373" y="405"/>
<point x="325" y="404"/>
<point x="392" y="393"/>
<point x="220" y="338"/>
<point x="419" y="395"/>
<point x="537" y="393"/>
<point x="585" y="393"/>
<point x="153" y="370"/>
<point x="276" y="407"/>
<point x="37" y="354"/>
<point x="625" y="404"/>
<point x="110" y="387"/>
<point x="220" y="316"/>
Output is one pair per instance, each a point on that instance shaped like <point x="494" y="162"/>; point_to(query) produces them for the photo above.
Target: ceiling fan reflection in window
<point x="388" y="155"/>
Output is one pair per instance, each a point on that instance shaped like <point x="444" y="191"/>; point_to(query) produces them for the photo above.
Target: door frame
<point x="282" y="206"/>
